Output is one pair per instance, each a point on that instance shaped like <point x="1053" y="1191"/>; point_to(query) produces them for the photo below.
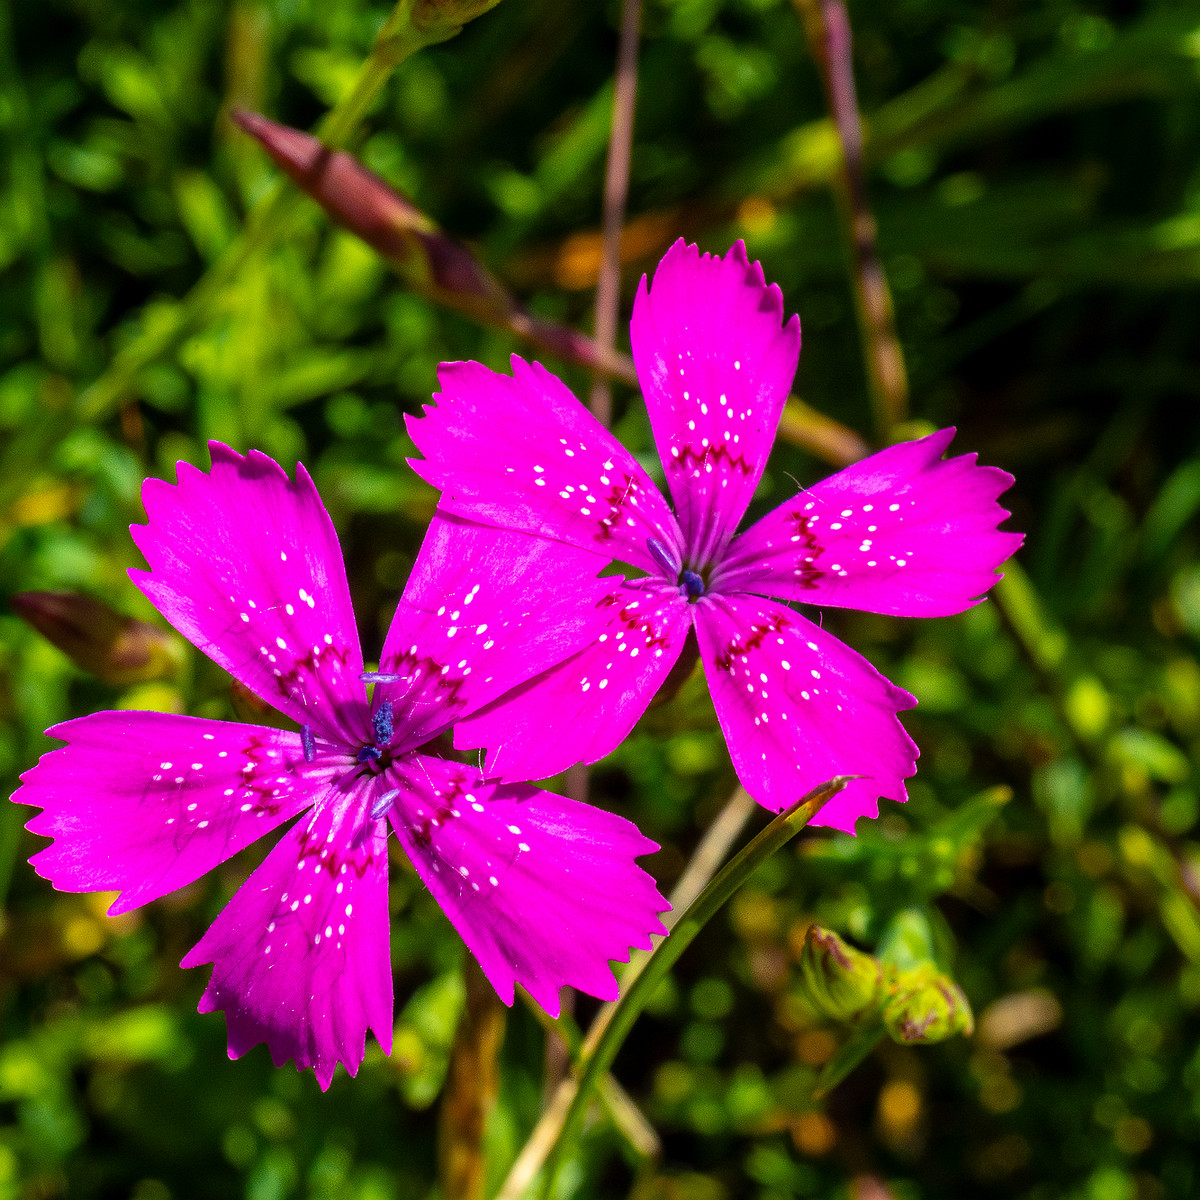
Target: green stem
<point x="664" y="956"/>
<point x="397" y="40"/>
<point x="848" y="1056"/>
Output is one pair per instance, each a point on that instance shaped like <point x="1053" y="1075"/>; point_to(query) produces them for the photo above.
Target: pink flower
<point x="245" y="563"/>
<point x="903" y="532"/>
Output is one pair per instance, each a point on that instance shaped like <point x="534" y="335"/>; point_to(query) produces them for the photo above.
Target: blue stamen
<point x="306" y="740"/>
<point x="692" y="584"/>
<point x="380" y="677"/>
<point x="663" y="556"/>
<point x="383" y="724"/>
<point x="381" y="806"/>
<point x="368" y="754"/>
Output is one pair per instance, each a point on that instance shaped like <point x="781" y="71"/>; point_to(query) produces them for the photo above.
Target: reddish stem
<point x="827" y="26"/>
<point x="616" y="189"/>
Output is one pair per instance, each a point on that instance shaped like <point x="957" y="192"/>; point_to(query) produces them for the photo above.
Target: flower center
<point x="384" y="725"/>
<point x="692" y="582"/>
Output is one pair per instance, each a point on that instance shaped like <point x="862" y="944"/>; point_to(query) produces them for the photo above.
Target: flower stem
<point x="820" y="435"/>
<point x="608" y="295"/>
<point x="616" y="191"/>
<point x="473" y="1082"/>
<point x="608" y="285"/>
<point x="827" y="26"/>
<point x="396" y="41"/>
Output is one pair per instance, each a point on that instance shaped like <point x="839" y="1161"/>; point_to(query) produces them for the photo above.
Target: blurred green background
<point x="1035" y="170"/>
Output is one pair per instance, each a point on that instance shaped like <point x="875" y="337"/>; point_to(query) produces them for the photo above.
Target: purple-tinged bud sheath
<point x="360" y="201"/>
<point x="117" y="649"/>
<point x="927" y="1006"/>
<point x="840" y="982"/>
<point x="429" y="260"/>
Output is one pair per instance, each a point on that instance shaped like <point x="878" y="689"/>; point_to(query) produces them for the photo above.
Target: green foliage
<point x="1035" y="173"/>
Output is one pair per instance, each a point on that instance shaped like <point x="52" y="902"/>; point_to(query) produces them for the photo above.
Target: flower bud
<point x="840" y="981"/>
<point x="429" y="261"/>
<point x="361" y="202"/>
<point x="927" y="1006"/>
<point x="117" y="649"/>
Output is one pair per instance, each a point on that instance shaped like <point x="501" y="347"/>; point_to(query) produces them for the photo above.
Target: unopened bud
<point x="361" y="202"/>
<point x="927" y="1007"/>
<point x="117" y="649"/>
<point x="841" y="982"/>
<point x="428" y="260"/>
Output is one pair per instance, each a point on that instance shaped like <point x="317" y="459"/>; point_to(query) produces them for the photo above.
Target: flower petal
<point x="799" y="707"/>
<point x="543" y="890"/>
<point x="246" y="564"/>
<point x="582" y="710"/>
<point x="715" y="363"/>
<point x="483" y="610"/>
<point x="903" y="532"/>
<point x="300" y="954"/>
<point x="144" y="803"/>
<point x="521" y="452"/>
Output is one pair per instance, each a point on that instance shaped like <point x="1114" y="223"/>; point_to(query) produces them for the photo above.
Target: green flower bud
<point x="927" y="1006"/>
<point x="117" y="649"/>
<point x="840" y="981"/>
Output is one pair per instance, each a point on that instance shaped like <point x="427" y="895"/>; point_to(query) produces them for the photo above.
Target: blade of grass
<point x="627" y="1117"/>
<point x="702" y="866"/>
<point x="705" y="860"/>
<point x="635" y="997"/>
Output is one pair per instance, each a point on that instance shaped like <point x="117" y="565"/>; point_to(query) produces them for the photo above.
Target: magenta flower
<point x="902" y="532"/>
<point x="245" y="563"/>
